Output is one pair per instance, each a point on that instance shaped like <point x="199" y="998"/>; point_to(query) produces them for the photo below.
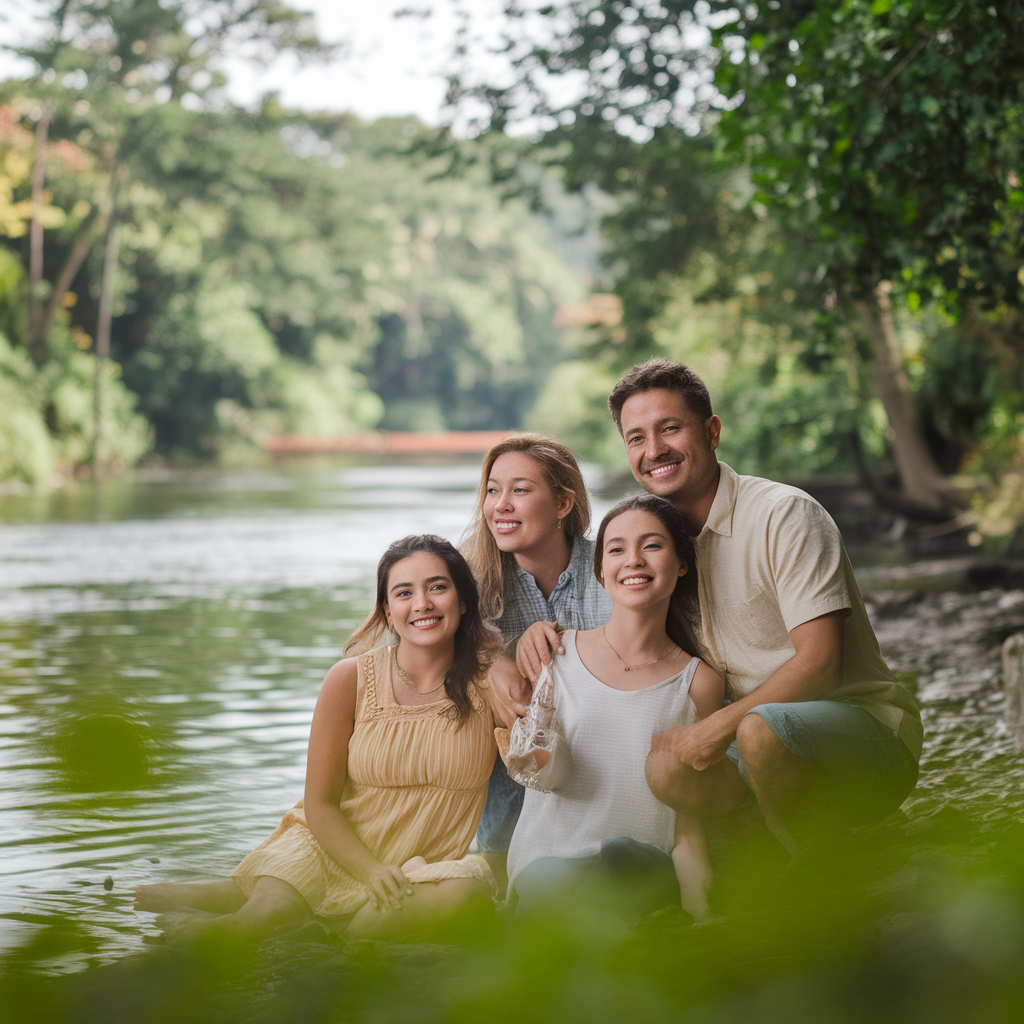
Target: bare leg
<point x="273" y="905"/>
<point x="429" y="903"/>
<point x="785" y="785"/>
<point x="708" y="794"/>
<point x="219" y="896"/>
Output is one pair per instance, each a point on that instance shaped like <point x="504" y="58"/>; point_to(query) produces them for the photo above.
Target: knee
<point x="675" y="784"/>
<point x="759" y="747"/>
<point x="663" y="772"/>
<point x="275" y="898"/>
<point x="619" y="851"/>
<point x="461" y="891"/>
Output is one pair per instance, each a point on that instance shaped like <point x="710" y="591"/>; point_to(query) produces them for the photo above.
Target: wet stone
<point x="1013" y="687"/>
<point x="952" y="642"/>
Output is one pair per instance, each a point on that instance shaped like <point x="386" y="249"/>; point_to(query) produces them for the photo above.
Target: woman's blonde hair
<point x="561" y="472"/>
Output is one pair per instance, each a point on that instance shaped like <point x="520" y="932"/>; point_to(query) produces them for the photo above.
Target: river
<point x="163" y="638"/>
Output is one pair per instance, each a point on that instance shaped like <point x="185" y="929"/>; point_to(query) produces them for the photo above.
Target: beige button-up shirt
<point x="769" y="559"/>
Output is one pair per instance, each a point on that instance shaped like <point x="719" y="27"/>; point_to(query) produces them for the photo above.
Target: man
<point x="818" y="727"/>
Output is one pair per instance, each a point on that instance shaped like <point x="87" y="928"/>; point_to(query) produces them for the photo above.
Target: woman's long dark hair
<point x="681" y="623"/>
<point x="475" y="641"/>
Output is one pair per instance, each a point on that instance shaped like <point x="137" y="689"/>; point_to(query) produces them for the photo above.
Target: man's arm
<point x="815" y="669"/>
<point x="507" y="692"/>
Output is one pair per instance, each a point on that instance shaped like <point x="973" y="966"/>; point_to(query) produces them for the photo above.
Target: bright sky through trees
<point x="392" y="65"/>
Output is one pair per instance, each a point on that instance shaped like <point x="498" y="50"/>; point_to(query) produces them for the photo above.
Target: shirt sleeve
<point x="806" y="559"/>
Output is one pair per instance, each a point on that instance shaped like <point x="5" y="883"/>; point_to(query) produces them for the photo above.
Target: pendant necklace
<point x="626" y="667"/>
<point x="407" y="679"/>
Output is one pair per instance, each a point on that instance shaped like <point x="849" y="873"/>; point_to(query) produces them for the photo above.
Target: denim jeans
<point x="501" y="812"/>
<point x="627" y="878"/>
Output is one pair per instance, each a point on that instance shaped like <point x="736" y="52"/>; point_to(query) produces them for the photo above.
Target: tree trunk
<point x="104" y="316"/>
<point x="79" y="250"/>
<point x="923" y="482"/>
<point x="35" y="240"/>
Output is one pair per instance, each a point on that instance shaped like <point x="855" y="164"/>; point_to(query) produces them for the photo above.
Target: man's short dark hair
<point x="661" y="373"/>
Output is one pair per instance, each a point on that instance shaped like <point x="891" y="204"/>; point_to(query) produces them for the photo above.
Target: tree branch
<point x="79" y="250"/>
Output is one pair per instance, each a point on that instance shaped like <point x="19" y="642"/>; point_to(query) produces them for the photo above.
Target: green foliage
<point x="916" y="924"/>
<point x="824" y="148"/>
<point x="26" y="450"/>
<point x="47" y="412"/>
<point x="69" y="377"/>
<point x="278" y="272"/>
<point x="304" y="274"/>
<point x="573" y="405"/>
<point x="301" y="267"/>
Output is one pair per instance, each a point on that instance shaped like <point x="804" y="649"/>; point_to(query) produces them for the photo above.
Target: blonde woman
<point x="533" y="563"/>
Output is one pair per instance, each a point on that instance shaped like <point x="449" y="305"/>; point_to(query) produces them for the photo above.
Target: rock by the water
<point x="1013" y="687"/>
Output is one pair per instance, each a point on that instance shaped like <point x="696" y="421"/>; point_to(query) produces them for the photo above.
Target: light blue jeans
<point x="501" y="812"/>
<point x="869" y="769"/>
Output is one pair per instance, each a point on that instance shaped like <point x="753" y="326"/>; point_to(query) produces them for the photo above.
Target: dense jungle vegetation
<point x="269" y="272"/>
<point x="821" y="207"/>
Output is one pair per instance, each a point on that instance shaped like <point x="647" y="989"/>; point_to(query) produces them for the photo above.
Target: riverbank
<point x="948" y="645"/>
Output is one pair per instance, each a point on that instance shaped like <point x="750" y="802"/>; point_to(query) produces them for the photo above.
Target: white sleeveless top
<point x="609" y="734"/>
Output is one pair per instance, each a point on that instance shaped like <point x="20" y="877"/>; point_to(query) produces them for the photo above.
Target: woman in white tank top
<point x="616" y="687"/>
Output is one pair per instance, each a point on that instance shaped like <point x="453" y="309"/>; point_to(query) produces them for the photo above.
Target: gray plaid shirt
<point x="577" y="602"/>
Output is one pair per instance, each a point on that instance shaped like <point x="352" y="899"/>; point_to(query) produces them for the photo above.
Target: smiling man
<point x="818" y="727"/>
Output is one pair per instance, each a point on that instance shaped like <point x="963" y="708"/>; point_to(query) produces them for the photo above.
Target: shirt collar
<point x="724" y="505"/>
<point x="579" y="564"/>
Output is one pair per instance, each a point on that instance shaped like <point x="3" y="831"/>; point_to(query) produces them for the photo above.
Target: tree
<point x="884" y="134"/>
<point x="117" y="60"/>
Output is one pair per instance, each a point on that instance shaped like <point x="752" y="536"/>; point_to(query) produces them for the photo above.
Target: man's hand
<point x="700" y="745"/>
<point x="507" y="692"/>
<point x="534" y="649"/>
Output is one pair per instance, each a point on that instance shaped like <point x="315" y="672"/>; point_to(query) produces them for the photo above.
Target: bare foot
<point x="174" y="922"/>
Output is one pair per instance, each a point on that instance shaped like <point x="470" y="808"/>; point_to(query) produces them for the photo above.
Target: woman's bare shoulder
<point x="341" y="680"/>
<point x="707" y="689"/>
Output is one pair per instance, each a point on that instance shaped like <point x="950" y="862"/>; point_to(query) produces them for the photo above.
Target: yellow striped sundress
<point x="416" y="787"/>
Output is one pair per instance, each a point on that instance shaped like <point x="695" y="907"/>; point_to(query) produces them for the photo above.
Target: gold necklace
<point x="407" y="679"/>
<point x="643" y="664"/>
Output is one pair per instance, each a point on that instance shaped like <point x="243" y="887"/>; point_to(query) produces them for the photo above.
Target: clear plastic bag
<point x="537" y="755"/>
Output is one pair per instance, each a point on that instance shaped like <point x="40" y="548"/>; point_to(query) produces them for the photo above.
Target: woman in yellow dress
<point x="400" y="751"/>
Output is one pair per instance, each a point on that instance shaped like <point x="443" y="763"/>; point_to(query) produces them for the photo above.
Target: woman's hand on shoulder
<point x="707" y="690"/>
<point x="535" y="646"/>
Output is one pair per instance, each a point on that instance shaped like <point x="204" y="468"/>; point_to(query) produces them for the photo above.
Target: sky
<point x="392" y="66"/>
